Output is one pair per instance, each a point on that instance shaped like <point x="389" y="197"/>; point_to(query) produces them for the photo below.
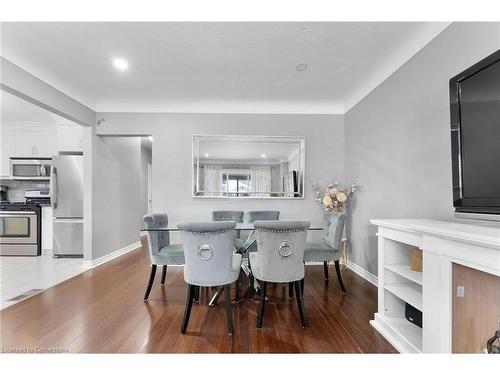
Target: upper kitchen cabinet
<point x="70" y="138"/>
<point x="35" y="142"/>
<point x="26" y="140"/>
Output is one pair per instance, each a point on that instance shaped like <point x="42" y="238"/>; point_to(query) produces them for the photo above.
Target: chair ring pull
<point x="205" y="252"/>
<point x="285" y="249"/>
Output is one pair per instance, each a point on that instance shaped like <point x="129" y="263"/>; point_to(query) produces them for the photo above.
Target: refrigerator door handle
<point x="53" y="187"/>
<point x="45" y="170"/>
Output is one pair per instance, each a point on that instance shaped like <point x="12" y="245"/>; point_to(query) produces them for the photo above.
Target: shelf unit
<point x="406" y="272"/>
<point x="398" y="286"/>
<point x="406" y="292"/>
<point x="445" y="245"/>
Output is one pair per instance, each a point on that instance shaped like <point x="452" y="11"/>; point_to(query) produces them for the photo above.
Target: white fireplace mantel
<point x="473" y="244"/>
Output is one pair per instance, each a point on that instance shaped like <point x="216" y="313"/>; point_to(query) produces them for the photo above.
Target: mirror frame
<point x="301" y="141"/>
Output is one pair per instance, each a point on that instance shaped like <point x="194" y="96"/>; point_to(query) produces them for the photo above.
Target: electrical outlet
<point x="460" y="291"/>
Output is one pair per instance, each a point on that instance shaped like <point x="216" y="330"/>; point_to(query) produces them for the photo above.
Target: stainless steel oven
<point x="30" y="169"/>
<point x="20" y="230"/>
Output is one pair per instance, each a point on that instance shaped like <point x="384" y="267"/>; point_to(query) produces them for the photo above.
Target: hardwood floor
<point x="102" y="311"/>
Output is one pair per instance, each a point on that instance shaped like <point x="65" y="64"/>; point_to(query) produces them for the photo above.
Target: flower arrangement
<point x="334" y="197"/>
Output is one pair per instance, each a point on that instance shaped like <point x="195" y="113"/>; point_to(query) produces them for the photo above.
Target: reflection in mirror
<point x="248" y="166"/>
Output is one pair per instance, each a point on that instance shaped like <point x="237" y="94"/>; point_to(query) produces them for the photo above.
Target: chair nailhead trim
<point x="219" y="231"/>
<point x="279" y="231"/>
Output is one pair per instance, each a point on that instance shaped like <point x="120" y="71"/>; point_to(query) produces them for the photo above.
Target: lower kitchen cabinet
<point x="47" y="229"/>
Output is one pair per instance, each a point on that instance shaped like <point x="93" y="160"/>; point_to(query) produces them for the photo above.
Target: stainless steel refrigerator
<point x="66" y="194"/>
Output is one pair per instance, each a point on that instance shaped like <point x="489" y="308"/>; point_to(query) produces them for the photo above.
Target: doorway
<point x="34" y="145"/>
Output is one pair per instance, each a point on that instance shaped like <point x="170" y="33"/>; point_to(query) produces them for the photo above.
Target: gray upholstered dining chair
<point x="262" y="215"/>
<point x="161" y="252"/>
<point x="328" y="249"/>
<point x="210" y="261"/>
<point x="227" y="216"/>
<point x="279" y="258"/>
<point x="236" y="216"/>
<point x="252" y="216"/>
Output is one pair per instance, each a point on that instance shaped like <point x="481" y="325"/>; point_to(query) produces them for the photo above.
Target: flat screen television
<point x="475" y="137"/>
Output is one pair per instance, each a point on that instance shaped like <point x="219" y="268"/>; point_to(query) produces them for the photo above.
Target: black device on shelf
<point x="413" y="315"/>
<point x="475" y="137"/>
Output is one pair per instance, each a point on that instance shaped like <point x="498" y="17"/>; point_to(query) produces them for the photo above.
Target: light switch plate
<point x="460" y="291"/>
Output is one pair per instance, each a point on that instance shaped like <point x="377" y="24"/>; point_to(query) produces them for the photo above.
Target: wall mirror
<point x="231" y="166"/>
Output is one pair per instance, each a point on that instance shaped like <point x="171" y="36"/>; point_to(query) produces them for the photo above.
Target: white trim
<point x="368" y="276"/>
<point x="106" y="258"/>
<point x="400" y="343"/>
<point x="314" y="263"/>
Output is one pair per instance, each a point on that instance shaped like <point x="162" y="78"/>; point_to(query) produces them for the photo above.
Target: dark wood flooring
<point x="102" y="311"/>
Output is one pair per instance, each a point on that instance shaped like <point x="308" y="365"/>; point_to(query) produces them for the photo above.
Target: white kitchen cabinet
<point x="47" y="229"/>
<point x="26" y="140"/>
<point x="70" y="138"/>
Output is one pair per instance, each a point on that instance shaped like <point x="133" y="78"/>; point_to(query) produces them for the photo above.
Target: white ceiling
<point x="216" y="67"/>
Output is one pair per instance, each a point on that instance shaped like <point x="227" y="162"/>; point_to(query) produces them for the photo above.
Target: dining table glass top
<point x="239" y="226"/>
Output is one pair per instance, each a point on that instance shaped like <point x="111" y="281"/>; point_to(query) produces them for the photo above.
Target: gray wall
<point x="146" y="158"/>
<point x="398" y="138"/>
<point x="118" y="204"/>
<point x="172" y="165"/>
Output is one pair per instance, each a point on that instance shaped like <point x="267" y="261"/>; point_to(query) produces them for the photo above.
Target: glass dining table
<point x="251" y="238"/>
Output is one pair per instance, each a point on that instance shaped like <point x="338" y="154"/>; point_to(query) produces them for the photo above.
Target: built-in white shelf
<point x="408" y="292"/>
<point x="406" y="272"/>
<point x="473" y="244"/>
<point x="411" y="332"/>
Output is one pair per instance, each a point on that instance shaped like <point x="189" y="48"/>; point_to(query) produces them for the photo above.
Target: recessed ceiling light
<point x="301" y="66"/>
<point x="263" y="155"/>
<point x="150" y="138"/>
<point x="120" y="64"/>
<point x="207" y="155"/>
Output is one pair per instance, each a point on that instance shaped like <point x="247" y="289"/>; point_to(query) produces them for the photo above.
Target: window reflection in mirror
<point x="248" y="166"/>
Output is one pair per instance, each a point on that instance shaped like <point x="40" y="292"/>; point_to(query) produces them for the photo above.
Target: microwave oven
<point x="30" y="168"/>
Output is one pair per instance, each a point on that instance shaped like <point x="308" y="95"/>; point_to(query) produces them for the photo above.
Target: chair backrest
<point x="335" y="229"/>
<point x="156" y="239"/>
<point x="208" y="249"/>
<point x="228" y="216"/>
<point x="262" y="215"/>
<point x="280" y="249"/>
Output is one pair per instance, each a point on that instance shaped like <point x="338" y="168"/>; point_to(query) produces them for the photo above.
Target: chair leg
<point x="325" y="269"/>
<point x="163" y="274"/>
<point x="237" y="288"/>
<point x="290" y="290"/>
<point x="339" y="277"/>
<point x="251" y="290"/>
<point x="151" y="280"/>
<point x="197" y="294"/>
<point x="300" y="303"/>
<point x="229" y="314"/>
<point x="262" y="304"/>
<point x="187" y="310"/>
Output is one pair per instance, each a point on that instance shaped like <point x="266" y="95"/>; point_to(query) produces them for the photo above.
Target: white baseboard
<point x="115" y="254"/>
<point x="314" y="263"/>
<point x="368" y="276"/>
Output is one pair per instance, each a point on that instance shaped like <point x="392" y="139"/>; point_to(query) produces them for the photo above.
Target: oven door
<point x="29" y="169"/>
<point x="18" y="227"/>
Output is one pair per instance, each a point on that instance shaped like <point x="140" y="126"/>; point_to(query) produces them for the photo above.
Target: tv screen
<point x="475" y="115"/>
